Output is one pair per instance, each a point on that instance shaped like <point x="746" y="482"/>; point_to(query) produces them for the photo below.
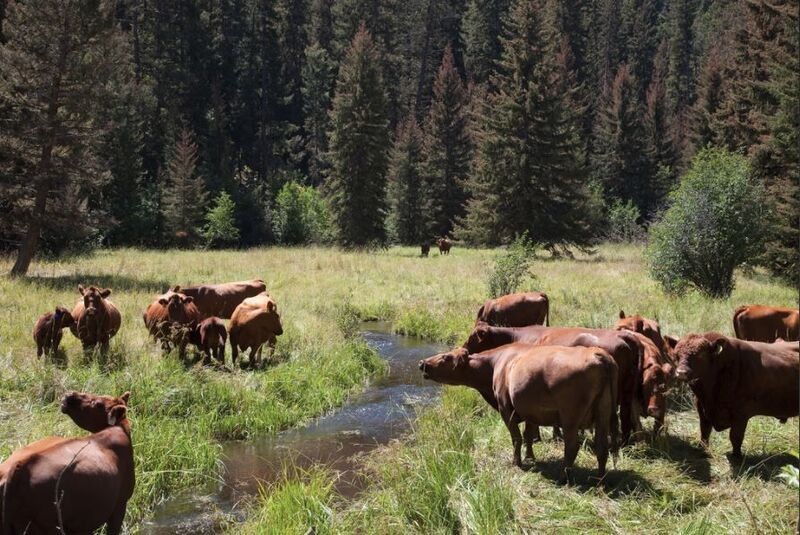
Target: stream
<point x="338" y="441"/>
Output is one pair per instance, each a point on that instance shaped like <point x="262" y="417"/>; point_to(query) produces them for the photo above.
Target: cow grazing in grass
<point x="72" y="485"/>
<point x="170" y="319"/>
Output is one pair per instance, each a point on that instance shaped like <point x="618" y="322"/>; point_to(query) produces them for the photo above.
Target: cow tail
<point x="736" y="328"/>
<point x="547" y="316"/>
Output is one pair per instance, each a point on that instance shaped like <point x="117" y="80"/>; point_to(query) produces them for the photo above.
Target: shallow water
<point x="382" y="412"/>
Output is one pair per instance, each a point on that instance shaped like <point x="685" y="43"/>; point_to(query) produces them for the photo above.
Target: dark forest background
<point x="360" y="122"/>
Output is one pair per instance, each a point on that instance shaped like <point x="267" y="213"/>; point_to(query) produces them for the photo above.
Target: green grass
<point x="453" y="473"/>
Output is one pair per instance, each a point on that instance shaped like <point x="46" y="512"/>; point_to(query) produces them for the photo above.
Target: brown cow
<point x="516" y="310"/>
<point x="734" y="380"/>
<point x="650" y="328"/>
<point x="444" y="245"/>
<point x="574" y="387"/>
<point x="221" y="300"/>
<point x="254" y="322"/>
<point x="47" y="332"/>
<point x="97" y="320"/>
<point x="210" y="336"/>
<point x="426" y="249"/>
<point x="760" y="323"/>
<point x="91" y="477"/>
<point x="170" y="319"/>
<point x="624" y="347"/>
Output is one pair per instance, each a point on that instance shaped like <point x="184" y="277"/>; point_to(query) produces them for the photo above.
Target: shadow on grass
<point x="115" y="282"/>
<point x="690" y="458"/>
<point x="764" y="467"/>
<point x="616" y="483"/>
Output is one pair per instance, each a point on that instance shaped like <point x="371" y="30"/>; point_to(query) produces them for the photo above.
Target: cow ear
<point x="718" y="346"/>
<point x="671" y="342"/>
<point x="117" y="414"/>
<point x="271" y="306"/>
<point x="80" y="289"/>
<point x="163" y="302"/>
<point x="105" y="293"/>
<point x="621" y="314"/>
<point x="177" y="289"/>
<point x="125" y="397"/>
<point x="188" y="299"/>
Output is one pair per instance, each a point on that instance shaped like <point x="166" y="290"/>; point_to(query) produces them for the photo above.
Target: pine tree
<point x="528" y="175"/>
<point x="220" y="229"/>
<point x="320" y="31"/>
<point x="481" y="30"/>
<point x="359" y="143"/>
<point x="185" y="196"/>
<point x="317" y="82"/>
<point x="57" y="63"/>
<point x="407" y="193"/>
<point x="447" y="148"/>
<point x="621" y="161"/>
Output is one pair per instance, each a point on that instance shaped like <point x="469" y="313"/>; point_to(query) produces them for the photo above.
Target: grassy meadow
<point x="453" y="473"/>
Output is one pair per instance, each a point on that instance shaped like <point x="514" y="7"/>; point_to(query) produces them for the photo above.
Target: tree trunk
<point x="31" y="241"/>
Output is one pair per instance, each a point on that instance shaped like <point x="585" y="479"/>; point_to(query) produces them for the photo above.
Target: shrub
<point x="301" y="216"/>
<point x="622" y="223"/>
<point x="511" y="267"/>
<point x="220" y="229"/>
<point x="712" y="226"/>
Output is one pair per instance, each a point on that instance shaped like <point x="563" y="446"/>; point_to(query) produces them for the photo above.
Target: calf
<point x="72" y="485"/>
<point x="96" y="319"/>
<point x="760" y="323"/>
<point x="210" y="336"/>
<point x="575" y="387"/>
<point x="734" y="380"/>
<point x="516" y="310"/>
<point x="47" y="332"/>
<point x="255" y="322"/>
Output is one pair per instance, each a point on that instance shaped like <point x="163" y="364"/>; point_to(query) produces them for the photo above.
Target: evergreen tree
<point x="359" y="144"/>
<point x="220" y="229"/>
<point x="320" y="31"/>
<point x="481" y="30"/>
<point x="447" y="148"/>
<point x="407" y="194"/>
<point x="317" y="82"/>
<point x="621" y="162"/>
<point x="528" y="175"/>
<point x="57" y="64"/>
<point x="184" y="199"/>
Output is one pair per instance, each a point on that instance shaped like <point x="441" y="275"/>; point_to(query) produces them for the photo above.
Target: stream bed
<point x="382" y="412"/>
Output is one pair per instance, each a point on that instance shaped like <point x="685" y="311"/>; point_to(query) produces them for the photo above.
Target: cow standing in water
<point x="734" y="380"/>
<point x="575" y="387"/>
<point x="72" y="485"/>
<point x="760" y="323"/>
<point x="97" y="320"/>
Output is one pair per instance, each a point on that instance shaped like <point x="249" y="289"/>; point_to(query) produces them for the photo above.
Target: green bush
<point x="301" y="216"/>
<point x="511" y="267"/>
<point x="713" y="225"/>
<point x="622" y="223"/>
<point x="220" y="229"/>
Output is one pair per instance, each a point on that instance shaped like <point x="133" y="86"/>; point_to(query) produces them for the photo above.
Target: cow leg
<point x="705" y="423"/>
<point x="570" y="448"/>
<point x="114" y="524"/>
<point x="39" y="350"/>
<point x="530" y="435"/>
<point x="557" y="433"/>
<point x="206" y="355"/>
<point x="626" y="421"/>
<point x="737" y="436"/>
<point x="512" y="423"/>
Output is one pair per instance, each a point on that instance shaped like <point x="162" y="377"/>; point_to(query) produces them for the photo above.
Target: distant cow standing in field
<point x="221" y="300"/>
<point x="574" y="387"/>
<point x="255" y="322"/>
<point x="516" y="310"/>
<point x="734" y="380"/>
<point x="426" y="249"/>
<point x="210" y="336"/>
<point x="168" y="316"/>
<point x="444" y="245"/>
<point x="760" y="323"/>
<point x="72" y="485"/>
<point x="47" y="332"/>
<point x="97" y="320"/>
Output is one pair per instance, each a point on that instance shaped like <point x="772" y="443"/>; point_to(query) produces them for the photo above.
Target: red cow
<point x="650" y="328"/>
<point x="169" y="316"/>
<point x="221" y="300"/>
<point x="734" y="380"/>
<point x="255" y="322"/>
<point x="97" y="320"/>
<point x="444" y="245"/>
<point x="47" y="332"/>
<point x="72" y="485"/>
<point x="516" y="310"/>
<point x="760" y="323"/>
<point x="210" y="336"/>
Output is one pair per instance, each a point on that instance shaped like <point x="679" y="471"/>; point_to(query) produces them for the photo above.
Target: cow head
<point x="654" y="386"/>
<point x="93" y="299"/>
<point x="180" y="308"/>
<point x="695" y="355"/>
<point x="480" y="338"/>
<point x="450" y="368"/>
<point x="95" y="413"/>
<point x="62" y="318"/>
<point x="273" y="320"/>
<point x="649" y="328"/>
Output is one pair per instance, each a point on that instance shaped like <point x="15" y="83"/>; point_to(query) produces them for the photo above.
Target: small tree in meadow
<point x="622" y="222"/>
<point x="221" y="229"/>
<point x="301" y="216"/>
<point x="185" y="193"/>
<point x="713" y="225"/>
<point x="512" y="267"/>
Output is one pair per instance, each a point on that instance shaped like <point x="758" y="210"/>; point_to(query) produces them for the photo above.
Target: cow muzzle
<point x="69" y="400"/>
<point x="682" y="373"/>
<point x="91" y="311"/>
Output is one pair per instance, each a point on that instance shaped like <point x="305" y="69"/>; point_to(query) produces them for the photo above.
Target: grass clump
<point x="512" y="267"/>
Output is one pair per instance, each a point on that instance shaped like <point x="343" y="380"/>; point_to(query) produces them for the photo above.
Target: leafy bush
<point x="713" y="225"/>
<point x="512" y="266"/>
<point x="621" y="222"/>
<point x="220" y="229"/>
<point x="301" y="216"/>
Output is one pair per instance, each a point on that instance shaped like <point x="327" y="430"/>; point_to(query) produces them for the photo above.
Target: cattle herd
<point x="571" y="378"/>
